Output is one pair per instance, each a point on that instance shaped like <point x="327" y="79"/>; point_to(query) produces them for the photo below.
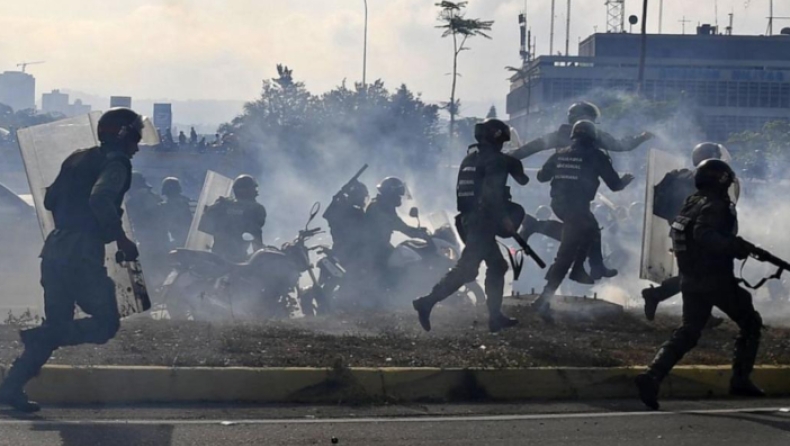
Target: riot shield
<point x="44" y="148"/>
<point x="658" y="262"/>
<point x="215" y="186"/>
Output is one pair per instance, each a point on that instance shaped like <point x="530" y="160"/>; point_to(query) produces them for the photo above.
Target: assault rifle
<point x="765" y="256"/>
<point x="353" y="179"/>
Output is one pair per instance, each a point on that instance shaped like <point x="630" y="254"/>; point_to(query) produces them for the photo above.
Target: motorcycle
<point x="204" y="286"/>
<point x="417" y="265"/>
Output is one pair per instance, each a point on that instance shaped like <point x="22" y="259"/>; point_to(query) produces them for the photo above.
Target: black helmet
<point x="139" y="181"/>
<point x="583" y="110"/>
<point x="245" y="186"/>
<point x="584" y="130"/>
<point x="707" y="151"/>
<point x="713" y="174"/>
<point x="357" y="193"/>
<point x="171" y="186"/>
<point x="392" y="187"/>
<point x="119" y="125"/>
<point x="492" y="131"/>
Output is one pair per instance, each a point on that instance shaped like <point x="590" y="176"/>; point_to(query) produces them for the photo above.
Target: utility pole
<point x="684" y="21"/>
<point x="770" y="17"/>
<point x="643" y="52"/>
<point x="660" y="16"/>
<point x="568" y="31"/>
<point x="551" y="40"/>
<point x="365" y="49"/>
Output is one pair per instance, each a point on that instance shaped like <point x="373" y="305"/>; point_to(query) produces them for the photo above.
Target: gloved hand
<point x="743" y="249"/>
<point x="128" y="248"/>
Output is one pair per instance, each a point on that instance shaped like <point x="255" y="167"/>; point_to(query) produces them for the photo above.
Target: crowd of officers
<point x="86" y="202"/>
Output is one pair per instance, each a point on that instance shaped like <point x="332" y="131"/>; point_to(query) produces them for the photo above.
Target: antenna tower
<point x="615" y="16"/>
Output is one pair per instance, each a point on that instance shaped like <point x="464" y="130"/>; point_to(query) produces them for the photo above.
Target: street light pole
<point x="365" y="49"/>
<point x="643" y="53"/>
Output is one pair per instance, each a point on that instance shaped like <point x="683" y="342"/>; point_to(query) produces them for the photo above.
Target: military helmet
<point x="584" y="130"/>
<point x="245" y="186"/>
<point x="713" y="174"/>
<point x="392" y="187"/>
<point x="492" y="131"/>
<point x="708" y="150"/>
<point x="120" y="124"/>
<point x="583" y="110"/>
<point x="171" y="186"/>
<point x="357" y="193"/>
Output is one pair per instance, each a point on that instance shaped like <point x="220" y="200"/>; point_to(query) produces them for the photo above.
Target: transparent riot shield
<point x="658" y="262"/>
<point x="215" y="186"/>
<point x="44" y="148"/>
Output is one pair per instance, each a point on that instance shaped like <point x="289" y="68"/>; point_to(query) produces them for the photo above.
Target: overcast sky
<point x="221" y="49"/>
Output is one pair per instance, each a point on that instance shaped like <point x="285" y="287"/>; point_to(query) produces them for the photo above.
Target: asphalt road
<point x="697" y="423"/>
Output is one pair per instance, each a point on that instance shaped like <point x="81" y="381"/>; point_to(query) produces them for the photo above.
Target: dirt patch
<point x="459" y="339"/>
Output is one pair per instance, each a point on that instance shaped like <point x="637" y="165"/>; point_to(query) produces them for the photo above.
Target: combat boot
<point x="579" y="275"/>
<point x="542" y="306"/>
<point x="18" y="400"/>
<point x="424" y="306"/>
<point x="499" y="322"/>
<point x="650" y="295"/>
<point x="648" y="387"/>
<point x="602" y="272"/>
<point x="744" y="386"/>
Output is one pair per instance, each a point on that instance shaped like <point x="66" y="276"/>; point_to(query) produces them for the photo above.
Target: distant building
<point x="78" y="108"/>
<point x="163" y="117"/>
<point x="734" y="83"/>
<point x="57" y="102"/>
<point x="18" y="90"/>
<point x="120" y="101"/>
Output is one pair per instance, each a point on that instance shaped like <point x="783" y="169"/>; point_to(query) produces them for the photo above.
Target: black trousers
<point x="481" y="246"/>
<point x="736" y="303"/>
<point x="66" y="285"/>
<point x="554" y="229"/>
<point x="578" y="236"/>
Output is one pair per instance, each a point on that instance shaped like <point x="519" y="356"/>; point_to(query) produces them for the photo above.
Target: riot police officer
<point x="346" y="219"/>
<point x="485" y="211"/>
<point x="580" y="111"/>
<point x="142" y="204"/>
<point x="574" y="173"/>
<point x="229" y="218"/>
<point x="705" y="242"/>
<point x="176" y="212"/>
<point x="85" y="200"/>
<point x="670" y="194"/>
<point x="382" y="220"/>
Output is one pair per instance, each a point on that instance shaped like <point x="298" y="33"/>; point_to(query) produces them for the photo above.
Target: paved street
<point x="598" y="423"/>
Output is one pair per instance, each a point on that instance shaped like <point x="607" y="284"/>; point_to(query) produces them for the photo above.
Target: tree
<point x="347" y="125"/>
<point x="456" y="25"/>
<point x="762" y="154"/>
<point x="492" y="113"/>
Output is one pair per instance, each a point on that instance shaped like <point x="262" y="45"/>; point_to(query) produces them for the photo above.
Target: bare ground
<point x="371" y="339"/>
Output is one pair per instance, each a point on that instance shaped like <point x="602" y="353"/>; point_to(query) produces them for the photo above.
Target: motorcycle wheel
<point x="471" y="293"/>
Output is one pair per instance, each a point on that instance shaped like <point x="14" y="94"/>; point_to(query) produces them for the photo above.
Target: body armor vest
<point x="68" y="198"/>
<point x="470" y="182"/>
<point x="692" y="259"/>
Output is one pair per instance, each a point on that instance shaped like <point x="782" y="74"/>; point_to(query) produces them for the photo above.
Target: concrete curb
<point x="126" y="385"/>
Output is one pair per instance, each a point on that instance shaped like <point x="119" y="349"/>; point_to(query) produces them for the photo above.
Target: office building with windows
<point x="733" y="83"/>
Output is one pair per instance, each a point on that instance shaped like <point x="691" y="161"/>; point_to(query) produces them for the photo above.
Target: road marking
<point x="426" y="419"/>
